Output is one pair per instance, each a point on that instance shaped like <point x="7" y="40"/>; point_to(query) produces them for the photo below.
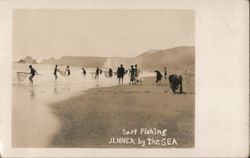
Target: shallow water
<point x="33" y="124"/>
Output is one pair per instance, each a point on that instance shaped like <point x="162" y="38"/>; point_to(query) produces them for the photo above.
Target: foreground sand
<point x="89" y="120"/>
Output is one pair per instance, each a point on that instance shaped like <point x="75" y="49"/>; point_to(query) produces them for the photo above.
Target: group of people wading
<point x="121" y="72"/>
<point x="175" y="81"/>
<point x="63" y="73"/>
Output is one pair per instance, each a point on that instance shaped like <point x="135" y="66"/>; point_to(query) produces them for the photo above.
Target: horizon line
<point x="101" y="56"/>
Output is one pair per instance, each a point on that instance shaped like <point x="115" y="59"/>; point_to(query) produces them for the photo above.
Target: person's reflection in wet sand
<point x="32" y="99"/>
<point x="55" y="88"/>
<point x="32" y="94"/>
<point x="97" y="83"/>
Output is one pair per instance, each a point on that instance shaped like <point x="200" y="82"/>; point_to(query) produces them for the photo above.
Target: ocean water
<point x="33" y="124"/>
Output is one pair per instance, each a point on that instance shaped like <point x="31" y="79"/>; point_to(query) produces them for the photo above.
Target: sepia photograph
<point x="114" y="78"/>
<point x="103" y="78"/>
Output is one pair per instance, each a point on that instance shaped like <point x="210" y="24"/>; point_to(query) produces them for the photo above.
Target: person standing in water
<point x="120" y="73"/>
<point x="83" y="71"/>
<point x="126" y="71"/>
<point x="137" y="71"/>
<point x="165" y="73"/>
<point x="97" y="72"/>
<point x="132" y="74"/>
<point x="110" y="72"/>
<point x="67" y="71"/>
<point x="33" y="72"/>
<point x="55" y="72"/>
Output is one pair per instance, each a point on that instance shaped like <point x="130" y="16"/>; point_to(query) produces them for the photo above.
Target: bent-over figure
<point x="175" y="82"/>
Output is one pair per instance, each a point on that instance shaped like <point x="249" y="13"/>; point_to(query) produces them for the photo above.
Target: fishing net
<point x="63" y="73"/>
<point x="21" y="76"/>
<point x="92" y="75"/>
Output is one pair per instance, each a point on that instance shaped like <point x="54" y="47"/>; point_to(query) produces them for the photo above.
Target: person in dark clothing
<point x="175" y="82"/>
<point x="136" y="71"/>
<point x="83" y="72"/>
<point x="132" y="74"/>
<point x="165" y="73"/>
<point x="158" y="76"/>
<point x="55" y="72"/>
<point x="67" y="70"/>
<point x="118" y="69"/>
<point x="120" y="73"/>
<point x="33" y="72"/>
<point x="110" y="72"/>
<point x="97" y="73"/>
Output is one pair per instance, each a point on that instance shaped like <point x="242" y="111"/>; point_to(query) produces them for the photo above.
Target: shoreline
<point x="90" y="119"/>
<point x="30" y="106"/>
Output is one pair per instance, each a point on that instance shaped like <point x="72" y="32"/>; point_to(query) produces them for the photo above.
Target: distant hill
<point x="28" y="60"/>
<point x="77" y="61"/>
<point x="49" y="61"/>
<point x="178" y="59"/>
<point x="21" y="61"/>
<point x="175" y="59"/>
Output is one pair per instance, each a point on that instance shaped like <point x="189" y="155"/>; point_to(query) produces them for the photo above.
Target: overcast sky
<point x="124" y="33"/>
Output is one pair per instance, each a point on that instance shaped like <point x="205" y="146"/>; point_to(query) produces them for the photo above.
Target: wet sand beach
<point x="92" y="118"/>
